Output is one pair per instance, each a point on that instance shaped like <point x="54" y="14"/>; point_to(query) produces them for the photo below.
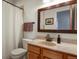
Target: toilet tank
<point x="25" y="42"/>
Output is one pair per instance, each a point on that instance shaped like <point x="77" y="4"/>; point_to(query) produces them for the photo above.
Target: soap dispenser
<point x="58" y="39"/>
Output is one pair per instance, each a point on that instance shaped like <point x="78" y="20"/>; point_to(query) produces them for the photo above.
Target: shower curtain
<point x="12" y="22"/>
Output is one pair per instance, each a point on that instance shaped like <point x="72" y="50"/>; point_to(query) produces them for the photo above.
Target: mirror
<point x="60" y="18"/>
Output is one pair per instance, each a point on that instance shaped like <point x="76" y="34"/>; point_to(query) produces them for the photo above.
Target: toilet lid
<point x="18" y="51"/>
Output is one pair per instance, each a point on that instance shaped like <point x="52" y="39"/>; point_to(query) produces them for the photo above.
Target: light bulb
<point x="46" y="1"/>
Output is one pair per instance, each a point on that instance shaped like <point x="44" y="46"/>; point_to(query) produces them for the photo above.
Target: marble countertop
<point x="63" y="47"/>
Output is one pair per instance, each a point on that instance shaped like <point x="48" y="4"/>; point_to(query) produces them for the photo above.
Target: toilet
<point x="19" y="53"/>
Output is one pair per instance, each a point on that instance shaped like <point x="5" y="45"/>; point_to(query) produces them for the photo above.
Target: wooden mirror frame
<point x="51" y="7"/>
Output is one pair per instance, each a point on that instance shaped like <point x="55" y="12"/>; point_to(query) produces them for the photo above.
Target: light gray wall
<point x="30" y="15"/>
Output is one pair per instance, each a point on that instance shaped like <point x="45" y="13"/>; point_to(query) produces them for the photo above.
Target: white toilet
<point x="19" y="53"/>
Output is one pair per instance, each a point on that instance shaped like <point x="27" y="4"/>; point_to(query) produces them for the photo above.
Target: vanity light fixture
<point x="46" y="1"/>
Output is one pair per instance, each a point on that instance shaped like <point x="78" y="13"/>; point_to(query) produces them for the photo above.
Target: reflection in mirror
<point x="63" y="19"/>
<point x="58" y="19"/>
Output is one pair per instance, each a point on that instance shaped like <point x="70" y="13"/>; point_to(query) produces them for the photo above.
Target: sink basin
<point x="47" y="43"/>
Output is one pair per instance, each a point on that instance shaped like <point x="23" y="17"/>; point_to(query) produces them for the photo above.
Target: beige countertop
<point x="63" y="47"/>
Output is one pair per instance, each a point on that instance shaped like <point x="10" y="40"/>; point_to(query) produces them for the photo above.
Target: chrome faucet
<point x="48" y="38"/>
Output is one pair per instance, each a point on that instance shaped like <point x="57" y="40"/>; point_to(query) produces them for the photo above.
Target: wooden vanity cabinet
<point x="35" y="52"/>
<point x="52" y="54"/>
<point x="71" y="57"/>
<point x="32" y="55"/>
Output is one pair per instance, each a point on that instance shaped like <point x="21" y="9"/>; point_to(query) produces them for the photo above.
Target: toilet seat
<point x="18" y="52"/>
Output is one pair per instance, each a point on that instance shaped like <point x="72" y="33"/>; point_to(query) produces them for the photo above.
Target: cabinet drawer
<point x="71" y="57"/>
<point x="34" y="49"/>
<point x="32" y="55"/>
<point x="52" y="54"/>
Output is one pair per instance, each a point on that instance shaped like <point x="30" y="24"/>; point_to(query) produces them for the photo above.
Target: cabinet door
<point x="51" y="54"/>
<point x="71" y="57"/>
<point x="32" y="55"/>
<point x="46" y="58"/>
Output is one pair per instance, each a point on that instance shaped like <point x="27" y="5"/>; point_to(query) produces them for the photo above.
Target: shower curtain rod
<point x="13" y="4"/>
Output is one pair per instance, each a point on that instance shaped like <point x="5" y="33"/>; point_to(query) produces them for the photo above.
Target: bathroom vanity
<point x="51" y="50"/>
<point x="59" y="18"/>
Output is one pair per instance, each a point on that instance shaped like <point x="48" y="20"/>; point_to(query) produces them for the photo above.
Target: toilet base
<point x="18" y="58"/>
<point x="21" y="57"/>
